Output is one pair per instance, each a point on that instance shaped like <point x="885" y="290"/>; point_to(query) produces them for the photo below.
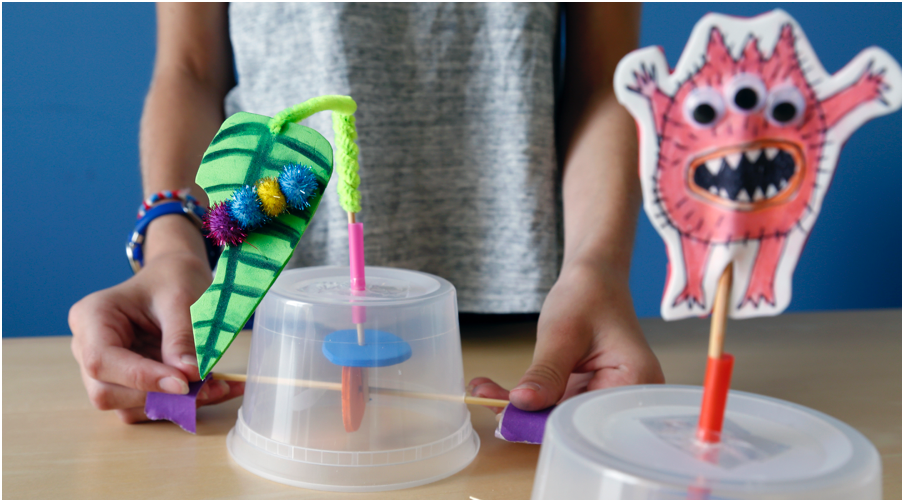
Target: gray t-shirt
<point x="456" y="134"/>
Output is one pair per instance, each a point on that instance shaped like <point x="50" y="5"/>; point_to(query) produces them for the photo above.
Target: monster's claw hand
<point x="645" y="82"/>
<point x="758" y="291"/>
<point x="692" y="295"/>
<point x="871" y="84"/>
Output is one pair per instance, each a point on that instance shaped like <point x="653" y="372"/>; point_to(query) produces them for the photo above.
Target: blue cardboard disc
<point x="380" y="349"/>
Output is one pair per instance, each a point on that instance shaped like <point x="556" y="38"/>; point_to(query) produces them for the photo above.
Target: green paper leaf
<point x="244" y="151"/>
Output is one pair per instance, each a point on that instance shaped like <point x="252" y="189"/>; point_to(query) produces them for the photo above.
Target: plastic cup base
<point x="639" y="442"/>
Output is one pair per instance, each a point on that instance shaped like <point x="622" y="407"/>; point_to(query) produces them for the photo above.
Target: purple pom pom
<point x="222" y="228"/>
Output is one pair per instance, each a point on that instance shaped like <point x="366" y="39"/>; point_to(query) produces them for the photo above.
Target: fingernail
<point x="224" y="387"/>
<point x="190" y="359"/>
<point x="528" y="385"/>
<point x="173" y="385"/>
<point x="470" y="390"/>
<point x="203" y="394"/>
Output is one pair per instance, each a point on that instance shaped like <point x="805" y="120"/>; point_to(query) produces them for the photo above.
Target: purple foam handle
<point x="519" y="426"/>
<point x="180" y="409"/>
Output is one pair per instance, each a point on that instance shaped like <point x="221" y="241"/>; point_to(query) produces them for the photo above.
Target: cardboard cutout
<point x="738" y="146"/>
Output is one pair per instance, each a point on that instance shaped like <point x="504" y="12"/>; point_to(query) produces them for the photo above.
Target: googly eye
<point x="703" y="107"/>
<point x="745" y="93"/>
<point x="785" y="105"/>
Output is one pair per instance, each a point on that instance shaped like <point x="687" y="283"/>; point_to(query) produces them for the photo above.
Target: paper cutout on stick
<point x="738" y="146"/>
<point x="243" y="152"/>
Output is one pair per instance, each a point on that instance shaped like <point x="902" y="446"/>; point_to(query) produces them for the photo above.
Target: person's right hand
<point x="137" y="337"/>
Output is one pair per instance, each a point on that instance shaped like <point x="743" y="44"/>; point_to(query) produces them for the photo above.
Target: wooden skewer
<point x="720" y="315"/>
<point x="314" y="384"/>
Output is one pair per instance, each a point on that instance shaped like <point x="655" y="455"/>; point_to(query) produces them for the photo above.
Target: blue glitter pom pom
<point x="245" y="208"/>
<point x="299" y="185"/>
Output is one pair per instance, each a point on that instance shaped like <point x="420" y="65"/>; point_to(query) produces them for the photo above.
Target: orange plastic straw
<point x="718" y="367"/>
<point x="715" y="397"/>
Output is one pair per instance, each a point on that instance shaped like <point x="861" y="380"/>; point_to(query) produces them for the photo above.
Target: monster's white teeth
<point x="733" y="160"/>
<point x="745" y="176"/>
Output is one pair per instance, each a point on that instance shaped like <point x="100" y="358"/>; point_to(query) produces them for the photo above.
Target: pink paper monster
<point x="738" y="146"/>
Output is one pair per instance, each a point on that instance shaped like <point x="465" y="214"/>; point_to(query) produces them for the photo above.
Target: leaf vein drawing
<point x="228" y="152"/>
<point x="244" y="129"/>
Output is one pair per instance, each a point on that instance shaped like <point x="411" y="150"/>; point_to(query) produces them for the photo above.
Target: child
<point x="458" y="153"/>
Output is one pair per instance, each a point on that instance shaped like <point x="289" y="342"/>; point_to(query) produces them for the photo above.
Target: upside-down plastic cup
<point x="640" y="442"/>
<point x="321" y="411"/>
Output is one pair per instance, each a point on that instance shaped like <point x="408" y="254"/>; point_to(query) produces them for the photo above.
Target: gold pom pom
<point x="272" y="199"/>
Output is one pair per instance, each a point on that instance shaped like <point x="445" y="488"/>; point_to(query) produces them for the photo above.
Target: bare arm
<point x="136" y="336"/>
<point x="183" y="110"/>
<point x="588" y="336"/>
<point x="601" y="191"/>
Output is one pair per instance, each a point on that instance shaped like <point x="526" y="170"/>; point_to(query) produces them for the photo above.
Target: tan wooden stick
<point x="720" y="314"/>
<point x="360" y="328"/>
<point x="314" y="384"/>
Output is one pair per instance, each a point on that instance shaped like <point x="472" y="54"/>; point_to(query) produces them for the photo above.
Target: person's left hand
<point x="588" y="338"/>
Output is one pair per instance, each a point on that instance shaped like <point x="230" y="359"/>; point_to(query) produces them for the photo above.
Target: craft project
<point x="738" y="145"/>
<point x="354" y="383"/>
<point x="264" y="178"/>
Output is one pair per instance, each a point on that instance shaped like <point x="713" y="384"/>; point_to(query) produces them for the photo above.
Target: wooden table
<point x="55" y="445"/>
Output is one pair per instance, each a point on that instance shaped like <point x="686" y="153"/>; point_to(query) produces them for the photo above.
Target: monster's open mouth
<point x="748" y="176"/>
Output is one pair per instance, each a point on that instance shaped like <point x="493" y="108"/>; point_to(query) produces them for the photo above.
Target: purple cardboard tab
<point x="181" y="409"/>
<point x="519" y="426"/>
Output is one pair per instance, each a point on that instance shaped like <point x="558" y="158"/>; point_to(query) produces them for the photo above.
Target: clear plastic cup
<point x="395" y="424"/>
<point x="638" y="442"/>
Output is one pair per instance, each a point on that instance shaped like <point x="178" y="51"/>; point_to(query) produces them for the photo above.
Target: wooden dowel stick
<point x="360" y="328"/>
<point x="720" y="314"/>
<point x="314" y="384"/>
<point x="351" y="217"/>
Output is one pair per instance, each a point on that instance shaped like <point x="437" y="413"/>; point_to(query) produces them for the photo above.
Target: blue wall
<point x="75" y="76"/>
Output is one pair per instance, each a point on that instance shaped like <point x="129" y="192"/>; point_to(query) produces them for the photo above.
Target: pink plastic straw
<point x="356" y="267"/>
<point x="356" y="255"/>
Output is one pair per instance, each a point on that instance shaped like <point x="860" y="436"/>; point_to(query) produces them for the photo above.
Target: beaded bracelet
<point x="160" y="204"/>
<point x="181" y="194"/>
